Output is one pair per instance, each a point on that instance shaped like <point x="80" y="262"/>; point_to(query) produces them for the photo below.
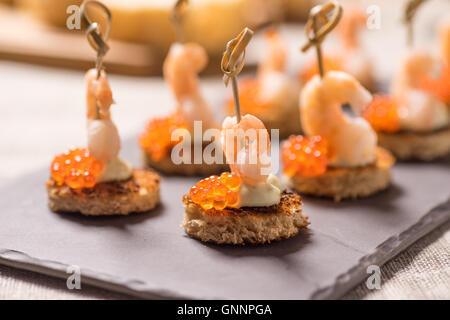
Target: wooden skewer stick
<point x="96" y="38"/>
<point x="319" y="25"/>
<point x="410" y="12"/>
<point x="94" y="33"/>
<point x="177" y="18"/>
<point x="231" y="65"/>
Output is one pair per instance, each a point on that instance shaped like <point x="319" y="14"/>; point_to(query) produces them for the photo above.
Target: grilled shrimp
<point x="181" y="69"/>
<point x="276" y="88"/>
<point x="246" y="146"/>
<point x="352" y="141"/>
<point x="103" y="137"/>
<point x="274" y="59"/>
<point x="98" y="95"/>
<point x="354" y="58"/>
<point x="420" y="110"/>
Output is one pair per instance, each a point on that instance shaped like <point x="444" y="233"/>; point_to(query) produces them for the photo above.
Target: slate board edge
<point x="139" y="289"/>
<point x="385" y="252"/>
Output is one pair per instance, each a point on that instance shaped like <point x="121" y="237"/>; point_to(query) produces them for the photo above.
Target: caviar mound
<point x="217" y="192"/>
<point x="382" y="114"/>
<point x="76" y="168"/>
<point x="156" y="140"/>
<point x="304" y="156"/>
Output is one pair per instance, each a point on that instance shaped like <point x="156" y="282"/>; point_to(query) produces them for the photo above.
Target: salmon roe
<point x="217" y="192"/>
<point x="304" y="156"/>
<point x="310" y="70"/>
<point x="440" y="86"/>
<point x="249" y="99"/>
<point x="382" y="114"/>
<point x="156" y="139"/>
<point x="76" y="168"/>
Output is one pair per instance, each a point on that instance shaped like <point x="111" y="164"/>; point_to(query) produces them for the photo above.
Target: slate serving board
<point x="148" y="255"/>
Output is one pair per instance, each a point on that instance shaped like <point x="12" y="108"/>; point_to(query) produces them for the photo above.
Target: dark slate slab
<point x="148" y="255"/>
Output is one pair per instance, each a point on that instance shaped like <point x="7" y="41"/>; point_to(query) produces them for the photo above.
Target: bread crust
<point x="166" y="166"/>
<point x="287" y="121"/>
<point x="247" y="225"/>
<point x="342" y="183"/>
<point x="424" y="146"/>
<point x="140" y="193"/>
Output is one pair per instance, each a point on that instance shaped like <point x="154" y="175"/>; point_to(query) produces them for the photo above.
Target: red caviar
<point x="217" y="192"/>
<point x="156" y="139"/>
<point x="382" y="114"/>
<point x="310" y="70"/>
<point x="304" y="156"/>
<point x="76" y="168"/>
<point x="249" y="99"/>
<point x="440" y="86"/>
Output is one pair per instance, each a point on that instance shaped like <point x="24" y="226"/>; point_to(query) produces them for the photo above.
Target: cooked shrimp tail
<point x="352" y="141"/>
<point x="350" y="26"/>
<point x="247" y="146"/>
<point x="274" y="59"/>
<point x="103" y="137"/>
<point x="181" y="69"/>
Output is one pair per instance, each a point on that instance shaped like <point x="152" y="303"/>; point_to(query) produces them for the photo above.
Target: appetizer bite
<point x="181" y="67"/>
<point x="414" y="121"/>
<point x="338" y="156"/>
<point x="272" y="95"/>
<point x="95" y="180"/>
<point x="248" y="204"/>
<point x="350" y="55"/>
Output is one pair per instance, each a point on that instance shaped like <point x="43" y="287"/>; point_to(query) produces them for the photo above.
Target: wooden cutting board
<point x="26" y="40"/>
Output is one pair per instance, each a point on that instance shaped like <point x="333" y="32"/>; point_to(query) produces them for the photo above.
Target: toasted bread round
<point x="425" y="146"/>
<point x="140" y="193"/>
<point x="285" y="119"/>
<point x="287" y="124"/>
<point x="247" y="225"/>
<point x="166" y="165"/>
<point x="341" y="183"/>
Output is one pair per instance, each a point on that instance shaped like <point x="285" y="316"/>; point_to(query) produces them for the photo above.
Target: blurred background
<point x="42" y="62"/>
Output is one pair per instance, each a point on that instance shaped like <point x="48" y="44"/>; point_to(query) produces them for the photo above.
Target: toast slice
<point x="425" y="146"/>
<point x="140" y="193"/>
<point x="342" y="183"/>
<point x="246" y="225"/>
<point x="166" y="166"/>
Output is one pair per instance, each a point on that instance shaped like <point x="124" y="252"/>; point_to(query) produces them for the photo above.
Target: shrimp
<point x="181" y="69"/>
<point x="274" y="59"/>
<point x="412" y="68"/>
<point x="354" y="59"/>
<point x="275" y="88"/>
<point x="103" y="136"/>
<point x="246" y="146"/>
<point x="350" y="26"/>
<point x="420" y="110"/>
<point x="98" y="95"/>
<point x="352" y="141"/>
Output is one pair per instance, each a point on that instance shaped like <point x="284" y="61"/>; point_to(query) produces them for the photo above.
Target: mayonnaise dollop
<point x="116" y="169"/>
<point x="263" y="194"/>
